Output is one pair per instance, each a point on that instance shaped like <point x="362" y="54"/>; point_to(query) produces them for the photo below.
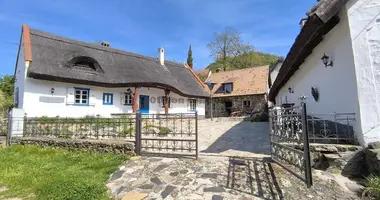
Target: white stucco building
<point x="57" y="76"/>
<point x="348" y="33"/>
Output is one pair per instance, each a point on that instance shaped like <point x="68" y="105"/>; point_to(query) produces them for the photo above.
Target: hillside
<point x="253" y="59"/>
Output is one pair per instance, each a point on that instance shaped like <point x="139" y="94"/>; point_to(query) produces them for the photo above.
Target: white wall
<point x="364" y="22"/>
<point x="36" y="88"/>
<point x="20" y="74"/>
<point x="274" y="73"/>
<point x="336" y="85"/>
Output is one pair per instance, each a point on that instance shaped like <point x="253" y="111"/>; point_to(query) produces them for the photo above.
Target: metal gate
<point x="167" y="134"/>
<point x="290" y="142"/>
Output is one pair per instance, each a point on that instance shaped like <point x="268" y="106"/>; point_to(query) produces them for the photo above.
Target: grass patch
<point x="32" y="172"/>
<point x="372" y="187"/>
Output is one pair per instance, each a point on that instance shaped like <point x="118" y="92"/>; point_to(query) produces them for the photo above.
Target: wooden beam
<point x="167" y="92"/>
<point x="135" y="105"/>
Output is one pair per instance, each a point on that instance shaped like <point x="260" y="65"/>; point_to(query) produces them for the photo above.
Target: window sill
<point x="127" y="104"/>
<point x="81" y="105"/>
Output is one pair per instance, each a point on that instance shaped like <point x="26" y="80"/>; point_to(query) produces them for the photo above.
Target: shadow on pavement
<point x="245" y="136"/>
<point x="253" y="176"/>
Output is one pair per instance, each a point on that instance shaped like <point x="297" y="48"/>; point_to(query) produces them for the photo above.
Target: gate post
<point x="138" y="134"/>
<point x="306" y="150"/>
<point x="196" y="134"/>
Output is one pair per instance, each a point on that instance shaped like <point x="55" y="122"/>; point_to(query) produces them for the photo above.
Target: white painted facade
<point x="352" y="85"/>
<point x="34" y="89"/>
<point x="274" y="72"/>
<point x="364" y="22"/>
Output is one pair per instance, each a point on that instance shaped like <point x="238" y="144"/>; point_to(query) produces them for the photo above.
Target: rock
<point x="154" y="159"/>
<point x="209" y="175"/>
<point x="156" y="180"/>
<point x="214" y="189"/>
<point x="174" y="173"/>
<point x="202" y="181"/>
<point x="356" y="166"/>
<point x="146" y="186"/>
<point x="325" y="148"/>
<point x="134" y="196"/>
<point x="169" y="189"/>
<point x="160" y="167"/>
<point x="354" y="187"/>
<point x="374" y="145"/>
<point x="3" y="188"/>
<point x="167" y="178"/>
<point x="139" y="181"/>
<point x="117" y="175"/>
<point x="184" y="171"/>
<point x="135" y="158"/>
<point x="217" y="197"/>
<point x="320" y="161"/>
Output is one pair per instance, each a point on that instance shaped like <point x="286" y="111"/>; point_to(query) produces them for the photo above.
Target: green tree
<point x="6" y="88"/>
<point x="228" y="45"/>
<point x="190" y="57"/>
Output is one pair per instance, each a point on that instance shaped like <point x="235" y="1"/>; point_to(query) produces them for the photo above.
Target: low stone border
<point x="106" y="146"/>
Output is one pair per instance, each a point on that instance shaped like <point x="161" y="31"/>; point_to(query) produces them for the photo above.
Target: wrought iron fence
<point x="288" y="130"/>
<point x="121" y="127"/>
<point x="174" y="134"/>
<point x="332" y="128"/>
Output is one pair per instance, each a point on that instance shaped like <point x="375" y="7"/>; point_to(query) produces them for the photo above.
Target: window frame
<point x="81" y="99"/>
<point x="224" y="87"/>
<point x="194" y="104"/>
<point x="128" y="96"/>
<point x="108" y="95"/>
<point x="246" y="106"/>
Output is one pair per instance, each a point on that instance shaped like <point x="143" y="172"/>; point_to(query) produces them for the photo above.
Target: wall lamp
<point x="325" y="59"/>
<point x="290" y="90"/>
<point x="52" y="91"/>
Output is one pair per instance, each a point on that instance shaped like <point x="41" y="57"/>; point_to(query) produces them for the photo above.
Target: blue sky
<point x="141" y="26"/>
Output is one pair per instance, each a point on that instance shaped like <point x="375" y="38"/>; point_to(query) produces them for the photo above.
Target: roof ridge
<point x="241" y="69"/>
<point x="94" y="46"/>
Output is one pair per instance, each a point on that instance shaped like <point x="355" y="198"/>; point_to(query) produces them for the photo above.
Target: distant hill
<point x="253" y="59"/>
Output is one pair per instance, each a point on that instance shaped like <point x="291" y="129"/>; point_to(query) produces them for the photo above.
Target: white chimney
<point x="161" y="55"/>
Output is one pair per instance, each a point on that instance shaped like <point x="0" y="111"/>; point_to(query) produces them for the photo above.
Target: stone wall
<point x="106" y="146"/>
<point x="258" y="103"/>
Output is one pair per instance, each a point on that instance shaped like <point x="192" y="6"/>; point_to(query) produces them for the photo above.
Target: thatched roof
<point x="321" y="19"/>
<point x="52" y="58"/>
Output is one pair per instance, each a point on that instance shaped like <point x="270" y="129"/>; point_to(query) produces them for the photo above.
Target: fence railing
<point x="332" y="128"/>
<point x="121" y="127"/>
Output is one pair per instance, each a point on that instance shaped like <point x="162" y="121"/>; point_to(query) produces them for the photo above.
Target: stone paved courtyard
<point x="218" y="173"/>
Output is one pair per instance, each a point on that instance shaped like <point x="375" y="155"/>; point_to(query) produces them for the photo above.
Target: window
<point x="246" y="104"/>
<point x="127" y="99"/>
<point x="107" y="99"/>
<point x="192" y="105"/>
<point x="213" y="106"/>
<point x="163" y="101"/>
<point x="227" y="87"/>
<point x="81" y="96"/>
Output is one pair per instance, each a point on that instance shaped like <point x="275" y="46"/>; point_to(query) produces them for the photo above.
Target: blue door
<point x="144" y="104"/>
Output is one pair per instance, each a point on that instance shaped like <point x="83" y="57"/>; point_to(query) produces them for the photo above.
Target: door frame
<point x="146" y="110"/>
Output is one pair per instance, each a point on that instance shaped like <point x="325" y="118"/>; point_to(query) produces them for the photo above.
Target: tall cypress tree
<point x="190" y="57"/>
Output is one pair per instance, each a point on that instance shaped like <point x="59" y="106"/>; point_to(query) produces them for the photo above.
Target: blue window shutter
<point x="107" y="99"/>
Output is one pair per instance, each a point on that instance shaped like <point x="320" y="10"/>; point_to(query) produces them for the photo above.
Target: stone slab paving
<point x="214" y="178"/>
<point x="234" y="138"/>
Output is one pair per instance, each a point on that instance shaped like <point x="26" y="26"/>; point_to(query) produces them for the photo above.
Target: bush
<point x="373" y="187"/>
<point x="70" y="190"/>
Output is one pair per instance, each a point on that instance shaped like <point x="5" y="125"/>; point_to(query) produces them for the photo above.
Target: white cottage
<point x="57" y="76"/>
<point x="335" y="62"/>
